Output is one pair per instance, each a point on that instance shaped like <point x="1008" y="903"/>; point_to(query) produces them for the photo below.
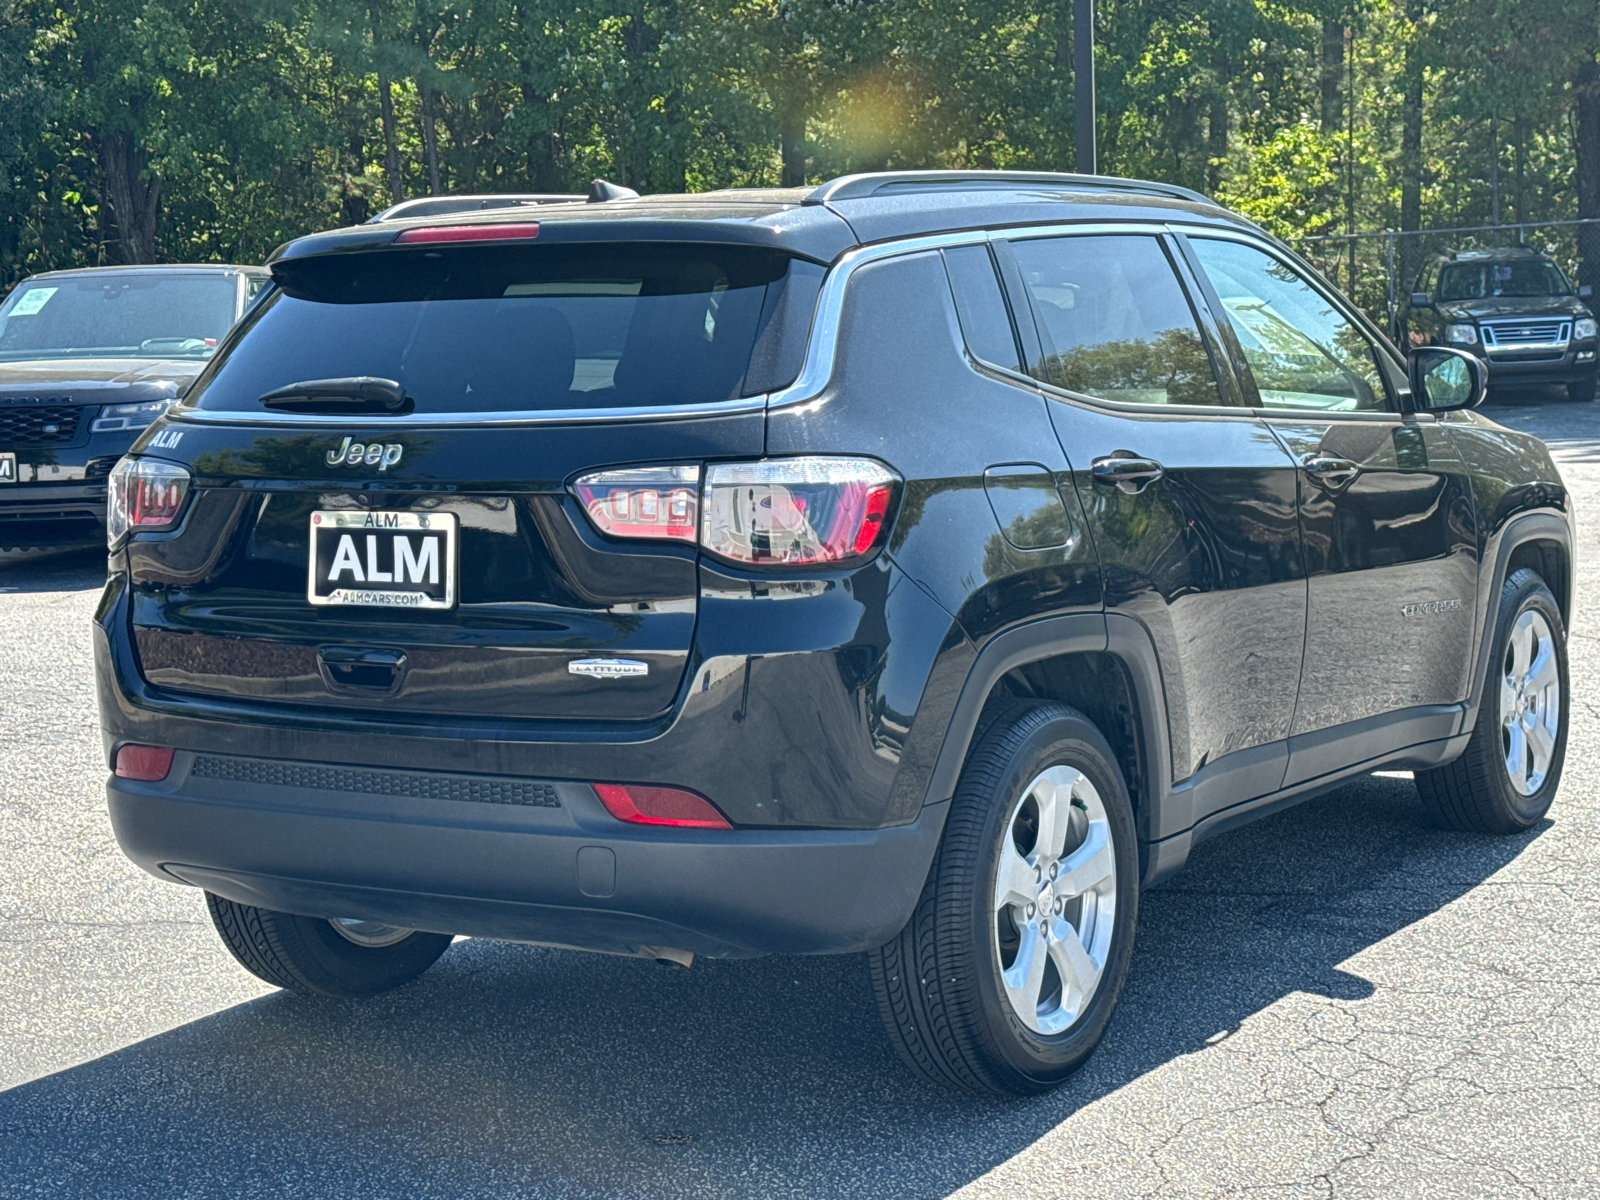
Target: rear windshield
<point x="1481" y="281"/>
<point x="133" y="315"/>
<point x="485" y="328"/>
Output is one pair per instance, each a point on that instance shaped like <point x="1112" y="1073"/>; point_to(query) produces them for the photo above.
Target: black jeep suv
<point x="917" y="565"/>
<point x="1513" y="307"/>
<point x="88" y="359"/>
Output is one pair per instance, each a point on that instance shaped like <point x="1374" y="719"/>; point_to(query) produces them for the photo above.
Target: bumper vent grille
<point x="38" y="425"/>
<point x="416" y="785"/>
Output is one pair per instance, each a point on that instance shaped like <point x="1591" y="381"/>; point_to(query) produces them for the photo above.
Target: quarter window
<point x="985" y="322"/>
<point x="1302" y="351"/>
<point x="1115" y="321"/>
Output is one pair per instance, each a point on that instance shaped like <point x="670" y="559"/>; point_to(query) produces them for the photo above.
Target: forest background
<point x="194" y="130"/>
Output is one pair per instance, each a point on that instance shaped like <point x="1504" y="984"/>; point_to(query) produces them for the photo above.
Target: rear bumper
<point x="427" y="850"/>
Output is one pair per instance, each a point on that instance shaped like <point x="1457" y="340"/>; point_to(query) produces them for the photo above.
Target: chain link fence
<point x="1377" y="270"/>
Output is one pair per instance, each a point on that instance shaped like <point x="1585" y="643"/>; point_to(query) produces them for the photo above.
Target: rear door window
<point x="529" y="328"/>
<point x="1116" y="321"/>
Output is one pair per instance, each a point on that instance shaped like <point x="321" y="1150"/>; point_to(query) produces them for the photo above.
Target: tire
<point x="1581" y="391"/>
<point x="1477" y="793"/>
<point x="940" y="983"/>
<point x="311" y="956"/>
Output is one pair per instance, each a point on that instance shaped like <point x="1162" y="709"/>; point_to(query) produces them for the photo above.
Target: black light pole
<point x="1083" y="82"/>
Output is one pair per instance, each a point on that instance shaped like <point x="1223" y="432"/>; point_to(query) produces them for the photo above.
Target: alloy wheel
<point x="1054" y="901"/>
<point x="1530" y="702"/>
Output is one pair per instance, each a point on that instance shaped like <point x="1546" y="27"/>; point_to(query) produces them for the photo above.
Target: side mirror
<point x="1444" y="380"/>
<point x="1420" y="300"/>
<point x="1584" y="291"/>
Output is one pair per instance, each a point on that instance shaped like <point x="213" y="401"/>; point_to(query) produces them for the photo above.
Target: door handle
<point x="1131" y="475"/>
<point x="1329" y="470"/>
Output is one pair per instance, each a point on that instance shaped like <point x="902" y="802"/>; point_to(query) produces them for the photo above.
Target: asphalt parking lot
<point x="1340" y="1000"/>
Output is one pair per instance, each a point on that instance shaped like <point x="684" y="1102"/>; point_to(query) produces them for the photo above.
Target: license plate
<point x="383" y="559"/>
<point x="8" y="468"/>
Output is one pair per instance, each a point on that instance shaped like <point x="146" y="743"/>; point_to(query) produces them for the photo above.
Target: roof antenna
<point x="602" y="190"/>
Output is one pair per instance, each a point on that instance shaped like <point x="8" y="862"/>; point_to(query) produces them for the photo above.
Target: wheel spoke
<point x="1053" y="795"/>
<point x="1508" y="699"/>
<point x="1542" y="744"/>
<point x="1542" y="670"/>
<point x="1517" y="756"/>
<point x="1025" y="979"/>
<point x="1090" y="865"/>
<point x="1078" y="971"/>
<point x="1521" y="646"/>
<point x="1014" y="885"/>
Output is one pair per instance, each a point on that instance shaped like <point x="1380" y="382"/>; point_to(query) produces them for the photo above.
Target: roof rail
<point x="440" y="206"/>
<point x="857" y="187"/>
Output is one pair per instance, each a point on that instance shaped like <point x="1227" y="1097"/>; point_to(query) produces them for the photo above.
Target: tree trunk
<point x="1586" y="85"/>
<point x="1411" y="148"/>
<point x="391" y="152"/>
<point x="134" y="201"/>
<point x="1520" y="132"/>
<point x="1332" y="80"/>
<point x="544" y="173"/>
<point x="430" y="139"/>
<point x="792" y="142"/>
<point x="1217" y="135"/>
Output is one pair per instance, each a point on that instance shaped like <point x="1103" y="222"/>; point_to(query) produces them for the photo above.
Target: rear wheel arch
<point x="1104" y="667"/>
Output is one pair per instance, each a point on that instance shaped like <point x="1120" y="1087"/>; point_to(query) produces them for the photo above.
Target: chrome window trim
<point x="815" y="372"/>
<point x="555" y="416"/>
<point x="822" y="347"/>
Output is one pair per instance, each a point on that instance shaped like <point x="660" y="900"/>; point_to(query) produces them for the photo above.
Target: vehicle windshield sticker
<point x="32" y="301"/>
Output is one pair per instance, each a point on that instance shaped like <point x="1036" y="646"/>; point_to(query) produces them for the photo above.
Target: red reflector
<point x="149" y="763"/>
<point x="466" y="233"/>
<point x="659" y="806"/>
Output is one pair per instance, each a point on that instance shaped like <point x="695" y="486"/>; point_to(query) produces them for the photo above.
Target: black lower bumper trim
<point x="566" y="874"/>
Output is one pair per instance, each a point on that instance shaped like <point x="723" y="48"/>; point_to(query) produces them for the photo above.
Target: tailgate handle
<point x="362" y="671"/>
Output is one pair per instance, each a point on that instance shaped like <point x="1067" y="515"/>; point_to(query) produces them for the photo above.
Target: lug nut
<point x="1055" y="869"/>
<point x="1030" y="912"/>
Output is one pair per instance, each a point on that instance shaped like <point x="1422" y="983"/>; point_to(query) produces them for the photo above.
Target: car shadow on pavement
<point x="511" y="1070"/>
<point x="52" y="571"/>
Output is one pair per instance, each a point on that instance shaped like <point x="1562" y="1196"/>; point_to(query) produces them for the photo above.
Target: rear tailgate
<point x="458" y="576"/>
<point x="222" y="607"/>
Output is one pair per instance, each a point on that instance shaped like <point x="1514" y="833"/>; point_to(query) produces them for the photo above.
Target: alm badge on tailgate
<point x="383" y="559"/>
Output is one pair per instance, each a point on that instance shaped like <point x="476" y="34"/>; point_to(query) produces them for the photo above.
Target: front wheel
<point x="1004" y="979"/>
<point x="1582" y="390"/>
<point x="315" y="957"/>
<point x="1506" y="778"/>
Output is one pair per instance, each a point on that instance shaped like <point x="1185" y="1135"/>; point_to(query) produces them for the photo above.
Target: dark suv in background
<point x="88" y="359"/>
<point x="1513" y="307"/>
<point x="920" y="564"/>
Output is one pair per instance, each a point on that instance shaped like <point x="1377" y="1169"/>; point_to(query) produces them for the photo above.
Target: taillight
<point x="648" y="502"/>
<point x="648" y="805"/>
<point x="782" y="512"/>
<point x="466" y="233"/>
<point x="796" y="511"/>
<point x="149" y="764"/>
<point x="143" y="493"/>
